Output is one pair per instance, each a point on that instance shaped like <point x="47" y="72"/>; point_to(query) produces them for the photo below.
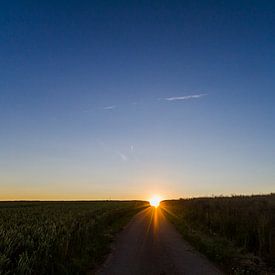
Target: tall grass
<point x="238" y="231"/>
<point x="58" y="237"/>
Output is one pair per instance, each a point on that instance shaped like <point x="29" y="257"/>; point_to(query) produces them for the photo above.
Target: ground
<point x="151" y="245"/>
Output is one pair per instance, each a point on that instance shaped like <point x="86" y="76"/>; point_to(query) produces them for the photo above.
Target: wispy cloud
<point x="111" y="107"/>
<point x="122" y="156"/>
<point x="132" y="148"/>
<point x="186" y="97"/>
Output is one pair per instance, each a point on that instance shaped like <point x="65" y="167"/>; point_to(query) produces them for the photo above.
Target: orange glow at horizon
<point x="155" y="201"/>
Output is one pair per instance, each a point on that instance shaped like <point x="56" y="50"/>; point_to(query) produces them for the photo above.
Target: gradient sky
<point x="124" y="99"/>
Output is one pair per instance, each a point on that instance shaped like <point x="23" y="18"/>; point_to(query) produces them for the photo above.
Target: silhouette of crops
<point x="229" y="227"/>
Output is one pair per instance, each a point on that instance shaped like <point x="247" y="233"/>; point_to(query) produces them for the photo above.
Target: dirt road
<point x="151" y="245"/>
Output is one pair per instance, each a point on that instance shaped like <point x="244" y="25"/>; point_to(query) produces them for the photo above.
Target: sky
<point x="126" y="99"/>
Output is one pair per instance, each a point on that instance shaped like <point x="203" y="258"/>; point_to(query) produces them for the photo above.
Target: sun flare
<point x="154" y="201"/>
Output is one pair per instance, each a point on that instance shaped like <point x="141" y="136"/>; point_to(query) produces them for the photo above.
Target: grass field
<point x="59" y="237"/>
<point x="237" y="232"/>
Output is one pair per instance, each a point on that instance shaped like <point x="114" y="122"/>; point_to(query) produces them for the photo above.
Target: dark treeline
<point x="238" y="231"/>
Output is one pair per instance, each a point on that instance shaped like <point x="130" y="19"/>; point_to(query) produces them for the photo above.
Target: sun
<point x="154" y="201"/>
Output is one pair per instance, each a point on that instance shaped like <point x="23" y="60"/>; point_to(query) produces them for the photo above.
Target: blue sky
<point x="107" y="99"/>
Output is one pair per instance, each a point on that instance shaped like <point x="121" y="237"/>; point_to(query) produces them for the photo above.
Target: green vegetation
<point x="237" y="232"/>
<point x="59" y="237"/>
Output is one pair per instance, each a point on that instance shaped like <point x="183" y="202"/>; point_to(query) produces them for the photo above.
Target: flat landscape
<point x="59" y="237"/>
<point x="137" y="137"/>
<point x="221" y="235"/>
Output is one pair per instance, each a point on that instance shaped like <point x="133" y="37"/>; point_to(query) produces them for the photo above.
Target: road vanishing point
<point x="150" y="244"/>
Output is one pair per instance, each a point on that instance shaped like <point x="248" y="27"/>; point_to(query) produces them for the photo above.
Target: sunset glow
<point x="109" y="108"/>
<point x="155" y="201"/>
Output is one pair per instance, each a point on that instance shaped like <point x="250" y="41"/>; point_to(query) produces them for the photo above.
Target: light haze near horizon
<point x="123" y="100"/>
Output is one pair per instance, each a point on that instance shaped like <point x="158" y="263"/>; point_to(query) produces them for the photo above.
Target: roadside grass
<point x="237" y="243"/>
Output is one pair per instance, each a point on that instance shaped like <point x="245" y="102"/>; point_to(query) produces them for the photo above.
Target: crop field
<point x="59" y="237"/>
<point x="237" y="232"/>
